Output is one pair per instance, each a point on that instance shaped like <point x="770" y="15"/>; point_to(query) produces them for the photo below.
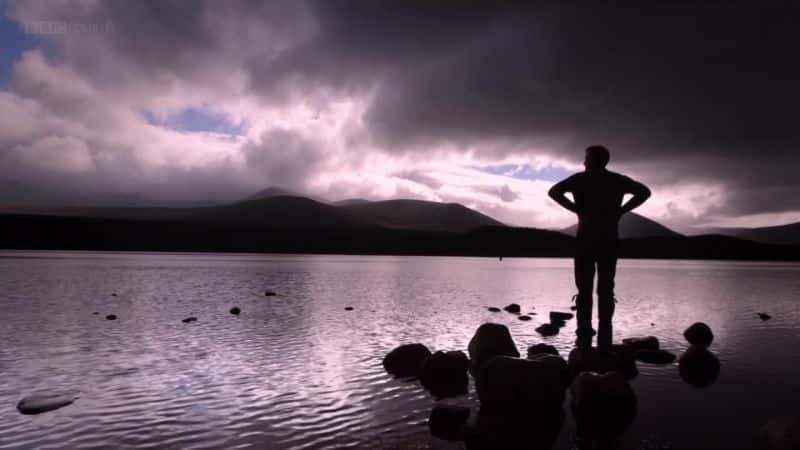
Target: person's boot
<point x="584" y="329"/>
<point x="605" y="329"/>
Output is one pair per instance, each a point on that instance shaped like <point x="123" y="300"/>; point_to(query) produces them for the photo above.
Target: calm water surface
<point x="298" y="371"/>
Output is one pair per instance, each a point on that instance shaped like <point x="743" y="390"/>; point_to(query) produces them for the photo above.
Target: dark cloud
<point x="682" y="92"/>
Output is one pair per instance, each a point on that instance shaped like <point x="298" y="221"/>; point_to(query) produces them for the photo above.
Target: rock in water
<point x="764" y="316"/>
<point x="699" y="334"/>
<point x="642" y="343"/>
<point x="556" y="365"/>
<point x="538" y="349"/>
<point x="573" y="308"/>
<point x="444" y="374"/>
<point x="447" y="421"/>
<point x="547" y="329"/>
<point x="556" y="316"/>
<point x="111" y="317"/>
<point x="698" y="366"/>
<point x="494" y="309"/>
<point x="490" y="339"/>
<point x="524" y="318"/>
<point x="189" y="319"/>
<point x="406" y="360"/>
<point x="780" y="433"/>
<point x="513" y="308"/>
<point x="508" y="385"/>
<point x="269" y="293"/>
<point x="37" y="404"/>
<point x="348" y="308"/>
<point x="593" y="360"/>
<point x="655" y="356"/>
<point x="603" y="405"/>
<point x="235" y="311"/>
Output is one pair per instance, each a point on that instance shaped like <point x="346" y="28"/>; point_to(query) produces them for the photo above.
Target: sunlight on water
<point x="298" y="371"/>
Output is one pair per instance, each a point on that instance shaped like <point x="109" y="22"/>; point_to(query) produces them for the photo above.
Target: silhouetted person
<point x="598" y="195"/>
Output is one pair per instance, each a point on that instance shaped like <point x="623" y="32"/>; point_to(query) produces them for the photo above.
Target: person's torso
<point x="598" y="198"/>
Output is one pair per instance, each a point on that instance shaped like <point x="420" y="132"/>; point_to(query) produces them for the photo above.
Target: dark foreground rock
<point x="536" y="430"/>
<point x="603" y="406"/>
<point x="508" y="385"/>
<point x="444" y="374"/>
<point x="406" y="360"/>
<point x="513" y="308"/>
<point x="655" y="356"/>
<point x="699" y="334"/>
<point x="698" y="367"/>
<point x="490" y="339"/>
<point x="37" y="404"/>
<point x="548" y="329"/>
<point x="779" y="433"/>
<point x="642" y="343"/>
<point x="593" y="360"/>
<point x="538" y="349"/>
<point x="448" y="421"/>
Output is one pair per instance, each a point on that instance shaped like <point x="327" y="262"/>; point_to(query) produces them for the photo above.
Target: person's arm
<point x="557" y="193"/>
<point x="640" y="194"/>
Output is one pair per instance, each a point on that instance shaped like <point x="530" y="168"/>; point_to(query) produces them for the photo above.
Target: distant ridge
<point x="420" y="215"/>
<point x="779" y="234"/>
<point x="633" y="225"/>
<point x="273" y="191"/>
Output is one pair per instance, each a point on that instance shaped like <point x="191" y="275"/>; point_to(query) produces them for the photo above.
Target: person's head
<point x="597" y="157"/>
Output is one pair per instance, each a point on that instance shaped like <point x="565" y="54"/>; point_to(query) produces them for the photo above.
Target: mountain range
<point x="279" y="220"/>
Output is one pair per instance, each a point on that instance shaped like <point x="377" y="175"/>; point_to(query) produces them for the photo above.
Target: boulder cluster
<point x="522" y="399"/>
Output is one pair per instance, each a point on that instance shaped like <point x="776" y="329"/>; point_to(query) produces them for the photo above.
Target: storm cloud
<point x="382" y="99"/>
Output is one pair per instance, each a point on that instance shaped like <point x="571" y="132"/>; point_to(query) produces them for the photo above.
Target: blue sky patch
<point x="527" y="172"/>
<point x="197" y="119"/>
<point x="14" y="42"/>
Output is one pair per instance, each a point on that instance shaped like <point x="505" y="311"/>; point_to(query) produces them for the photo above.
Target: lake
<point x="297" y="371"/>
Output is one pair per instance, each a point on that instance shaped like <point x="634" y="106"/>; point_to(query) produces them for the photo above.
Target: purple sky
<point x="181" y="103"/>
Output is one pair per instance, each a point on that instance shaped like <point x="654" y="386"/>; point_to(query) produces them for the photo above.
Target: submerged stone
<point x="556" y="315"/>
<point x="642" y="343"/>
<point x="655" y="356"/>
<point x="547" y="329"/>
<point x="37" y="404"/>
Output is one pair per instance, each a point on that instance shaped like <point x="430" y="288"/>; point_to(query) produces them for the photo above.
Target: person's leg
<point x="584" y="279"/>
<point x="606" y="271"/>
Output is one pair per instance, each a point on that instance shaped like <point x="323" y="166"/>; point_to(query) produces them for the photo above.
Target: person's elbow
<point x="645" y="193"/>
